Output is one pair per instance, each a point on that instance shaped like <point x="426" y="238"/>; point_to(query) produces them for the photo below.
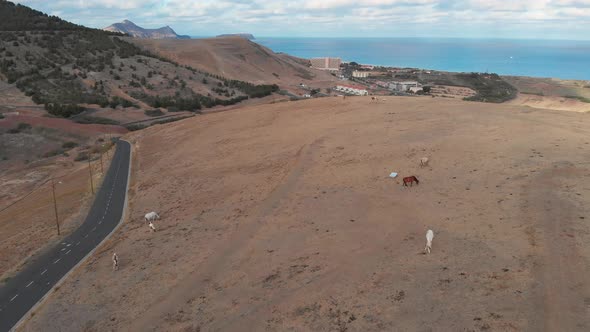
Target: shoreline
<point x="506" y="57"/>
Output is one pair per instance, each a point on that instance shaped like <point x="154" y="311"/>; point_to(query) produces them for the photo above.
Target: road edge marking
<point x="29" y="314"/>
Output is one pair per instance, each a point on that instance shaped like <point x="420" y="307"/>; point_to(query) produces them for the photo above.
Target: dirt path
<point x="186" y="289"/>
<point x="561" y="290"/>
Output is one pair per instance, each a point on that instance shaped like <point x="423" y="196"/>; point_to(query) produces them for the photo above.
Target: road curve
<point x="19" y="294"/>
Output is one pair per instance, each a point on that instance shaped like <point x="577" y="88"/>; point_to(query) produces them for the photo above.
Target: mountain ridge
<point x="134" y="30"/>
<point x="248" y="36"/>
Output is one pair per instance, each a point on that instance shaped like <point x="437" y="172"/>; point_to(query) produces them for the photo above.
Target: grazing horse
<point x="151" y="216"/>
<point x="115" y="262"/>
<point x="429" y="237"/>
<point x="411" y="180"/>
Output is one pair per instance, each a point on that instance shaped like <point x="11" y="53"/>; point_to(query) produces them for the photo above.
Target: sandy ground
<point x="550" y="102"/>
<point x="283" y="218"/>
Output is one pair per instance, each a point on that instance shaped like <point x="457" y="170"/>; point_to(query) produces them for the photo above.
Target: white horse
<point x="115" y="262"/>
<point x="429" y="237"/>
<point x="423" y="161"/>
<point x="151" y="216"/>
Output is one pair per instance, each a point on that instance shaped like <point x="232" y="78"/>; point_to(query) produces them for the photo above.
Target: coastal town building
<point x="331" y="64"/>
<point x="352" y="89"/>
<point x="382" y="84"/>
<point x="403" y="86"/>
<point x="360" y="74"/>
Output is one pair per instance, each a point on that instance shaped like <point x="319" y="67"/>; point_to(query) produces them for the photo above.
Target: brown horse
<point x="410" y="180"/>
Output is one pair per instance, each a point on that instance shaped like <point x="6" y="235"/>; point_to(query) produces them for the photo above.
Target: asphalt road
<point x="19" y="294"/>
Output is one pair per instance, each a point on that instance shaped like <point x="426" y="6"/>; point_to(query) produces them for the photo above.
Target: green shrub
<point x="23" y="126"/>
<point x="63" y="110"/>
<point x="115" y="101"/>
<point x="53" y="153"/>
<point x="69" y="145"/>
<point x="580" y="98"/>
<point x="539" y="93"/>
<point x="171" y="120"/>
<point x="134" y="127"/>
<point x="155" y="112"/>
<point x="81" y="156"/>
<point x="87" y="119"/>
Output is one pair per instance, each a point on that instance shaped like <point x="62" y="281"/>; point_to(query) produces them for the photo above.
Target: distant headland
<point x="136" y="31"/>
<point x="243" y="35"/>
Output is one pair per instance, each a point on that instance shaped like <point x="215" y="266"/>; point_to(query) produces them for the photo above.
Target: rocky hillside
<point x="130" y="28"/>
<point x="67" y="67"/>
<point x="239" y="58"/>
<point x="88" y="77"/>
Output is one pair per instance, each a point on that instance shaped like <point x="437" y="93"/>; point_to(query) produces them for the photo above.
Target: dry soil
<point x="283" y="217"/>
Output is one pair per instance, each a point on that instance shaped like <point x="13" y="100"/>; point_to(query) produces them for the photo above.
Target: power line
<point x="55" y="205"/>
<point x="90" y="170"/>
<point x="41" y="187"/>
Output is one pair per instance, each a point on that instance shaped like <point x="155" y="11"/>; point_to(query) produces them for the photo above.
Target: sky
<point x="539" y="19"/>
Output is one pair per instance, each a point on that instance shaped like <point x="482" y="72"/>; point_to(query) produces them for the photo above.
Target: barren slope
<point x="283" y="217"/>
<point x="238" y="58"/>
<point x="550" y="102"/>
<point x="551" y="93"/>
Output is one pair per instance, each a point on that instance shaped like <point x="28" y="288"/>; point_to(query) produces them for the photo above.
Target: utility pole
<point x="55" y="205"/>
<point x="90" y="170"/>
<point x="101" y="168"/>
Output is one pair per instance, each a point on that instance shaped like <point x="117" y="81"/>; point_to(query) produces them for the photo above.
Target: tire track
<point x="186" y="288"/>
<point x="560" y="272"/>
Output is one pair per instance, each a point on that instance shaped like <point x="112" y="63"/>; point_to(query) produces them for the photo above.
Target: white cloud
<point x="332" y="17"/>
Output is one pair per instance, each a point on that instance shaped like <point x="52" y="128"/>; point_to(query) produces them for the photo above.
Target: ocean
<point x="537" y="58"/>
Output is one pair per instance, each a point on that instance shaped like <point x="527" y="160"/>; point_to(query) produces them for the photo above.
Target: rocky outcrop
<point x="243" y="35"/>
<point x="136" y="31"/>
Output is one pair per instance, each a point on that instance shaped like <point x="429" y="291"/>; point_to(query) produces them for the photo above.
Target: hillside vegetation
<point x="489" y="88"/>
<point x="57" y="62"/>
<point x="239" y="58"/>
<point x="14" y="17"/>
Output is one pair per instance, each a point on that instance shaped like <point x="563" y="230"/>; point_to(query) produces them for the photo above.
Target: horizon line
<point x="393" y="37"/>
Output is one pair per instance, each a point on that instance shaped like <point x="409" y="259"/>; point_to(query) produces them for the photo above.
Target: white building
<point x="360" y="74"/>
<point x="403" y="86"/>
<point x="352" y="89"/>
<point x="415" y="89"/>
